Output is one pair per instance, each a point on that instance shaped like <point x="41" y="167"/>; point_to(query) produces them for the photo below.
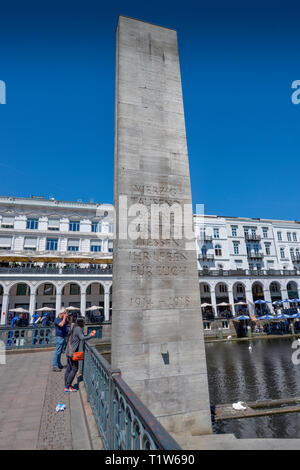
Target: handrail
<point x="123" y="421"/>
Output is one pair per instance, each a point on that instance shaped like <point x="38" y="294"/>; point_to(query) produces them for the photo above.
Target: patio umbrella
<point x="242" y="317"/>
<point x="295" y="315"/>
<point x="71" y="308"/>
<point x="295" y="300"/>
<point x="282" y="316"/>
<point x="261" y="302"/>
<point x="267" y="317"/>
<point x="93" y="307"/>
<point x="277" y="302"/>
<point x="223" y="304"/>
<point x="19" y="310"/>
<point x="241" y="303"/>
<point x="45" y="309"/>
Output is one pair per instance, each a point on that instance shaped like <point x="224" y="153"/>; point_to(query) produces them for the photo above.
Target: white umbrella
<point x="223" y="304"/>
<point x="241" y="303"/>
<point x="19" y="310"/>
<point x="205" y="305"/>
<point x="94" y="307"/>
<point x="45" y="309"/>
<point x="71" y="308"/>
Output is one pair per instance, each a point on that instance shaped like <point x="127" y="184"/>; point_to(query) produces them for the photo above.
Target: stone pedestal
<point x="157" y="330"/>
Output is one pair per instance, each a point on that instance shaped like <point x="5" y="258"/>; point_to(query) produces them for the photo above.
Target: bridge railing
<point x="27" y="337"/>
<point x="124" y="423"/>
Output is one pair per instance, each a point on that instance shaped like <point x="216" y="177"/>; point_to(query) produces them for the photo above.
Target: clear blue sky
<point x="238" y="60"/>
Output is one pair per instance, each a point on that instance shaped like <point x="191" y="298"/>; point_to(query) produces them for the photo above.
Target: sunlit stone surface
<point x="157" y="333"/>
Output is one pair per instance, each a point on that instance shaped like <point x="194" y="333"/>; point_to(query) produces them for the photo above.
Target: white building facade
<point x="54" y="254"/>
<point x="244" y="260"/>
<point x="58" y="253"/>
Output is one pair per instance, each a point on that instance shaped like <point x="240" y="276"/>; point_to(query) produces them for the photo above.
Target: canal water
<point x="237" y="373"/>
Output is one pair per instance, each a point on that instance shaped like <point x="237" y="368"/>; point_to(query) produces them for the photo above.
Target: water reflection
<point x="266" y="371"/>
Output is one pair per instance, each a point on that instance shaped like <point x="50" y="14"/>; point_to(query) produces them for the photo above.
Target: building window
<point x="32" y="224"/>
<point x="225" y="325"/>
<point x="206" y="288"/>
<point x="53" y="224"/>
<point x="218" y="250"/>
<point x="110" y="246"/>
<point x="52" y="244"/>
<point x="234" y="231"/>
<point x="74" y="289"/>
<point x="292" y="252"/>
<point x="96" y="245"/>
<point x="203" y="250"/>
<point x="253" y="231"/>
<point x="216" y="233"/>
<point x="96" y="227"/>
<point x="22" y="289"/>
<point x="235" y="248"/>
<point x="206" y="325"/>
<point x="48" y="289"/>
<point x="246" y="231"/>
<point x="268" y="248"/>
<point x="30" y="243"/>
<point x="279" y="237"/>
<point x="222" y="288"/>
<point x="282" y="255"/>
<point x="295" y="236"/>
<point x="7" y="222"/>
<point x="240" y="289"/>
<point x="74" y="226"/>
<point x="111" y="228"/>
<point x="289" y="236"/>
<point x="265" y="232"/>
<point x="5" y="243"/>
<point x="73" y="244"/>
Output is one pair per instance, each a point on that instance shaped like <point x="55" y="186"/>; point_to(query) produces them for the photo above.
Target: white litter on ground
<point x="60" y="407"/>
<point x="239" y="406"/>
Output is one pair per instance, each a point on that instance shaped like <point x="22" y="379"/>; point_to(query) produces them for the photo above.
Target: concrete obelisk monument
<point x="157" y="333"/>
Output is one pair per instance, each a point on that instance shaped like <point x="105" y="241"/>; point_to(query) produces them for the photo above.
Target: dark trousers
<point x="71" y="370"/>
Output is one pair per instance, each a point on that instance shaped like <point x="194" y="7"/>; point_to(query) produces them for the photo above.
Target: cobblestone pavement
<point x="30" y="392"/>
<point x="22" y="389"/>
<point x="55" y="429"/>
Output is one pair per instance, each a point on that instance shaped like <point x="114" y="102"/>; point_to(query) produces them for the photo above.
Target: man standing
<point x="61" y="333"/>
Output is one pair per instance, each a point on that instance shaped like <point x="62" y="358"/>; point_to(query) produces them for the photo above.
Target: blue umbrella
<point x="295" y="315"/>
<point x="282" y="316"/>
<point x="261" y="302"/>
<point x="295" y="300"/>
<point x="268" y="317"/>
<point x="242" y="317"/>
<point x="278" y="302"/>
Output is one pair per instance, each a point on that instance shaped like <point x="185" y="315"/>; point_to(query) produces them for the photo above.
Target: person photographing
<point x="61" y="333"/>
<point x="73" y="354"/>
